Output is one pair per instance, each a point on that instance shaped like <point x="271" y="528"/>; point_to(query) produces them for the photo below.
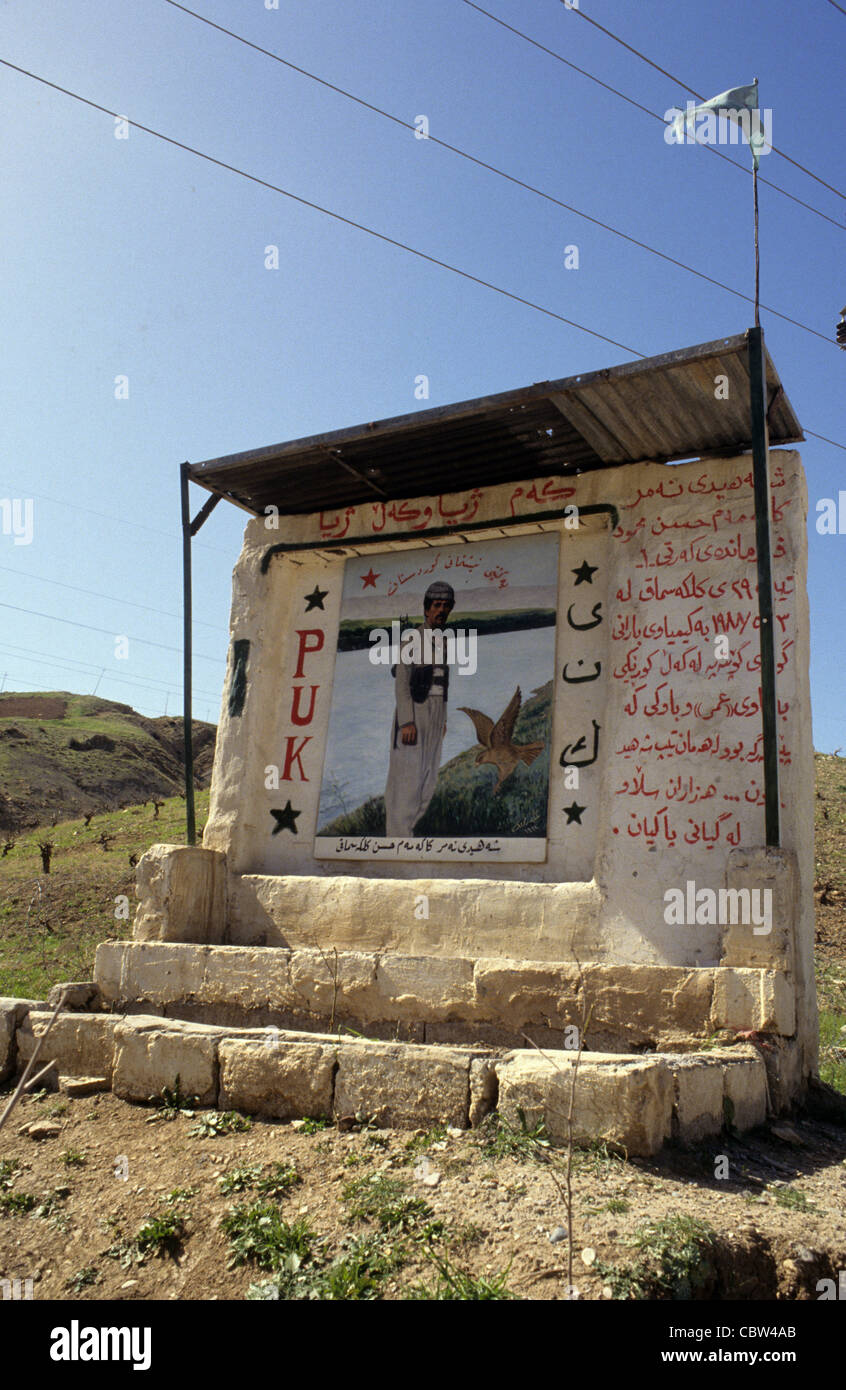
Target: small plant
<point x="279" y="1180"/>
<point x="616" y="1205"/>
<point x="170" y="1102"/>
<point x="17" y="1203"/>
<point x="674" y="1261"/>
<point x="83" y="1279"/>
<point x="73" y="1158"/>
<point x="160" y="1235"/>
<point x="312" y="1126"/>
<point x="454" y="1285"/>
<point x="258" y="1234"/>
<point x="359" y="1273"/>
<point x="180" y="1194"/>
<point x="467" y="1233"/>
<point x="266" y="1291"/>
<point x="50" y="1205"/>
<point x="596" y="1156"/>
<point x="499" y="1139"/>
<point x="384" y="1200"/>
<point x="220" y="1122"/>
<point x="8" y="1168"/>
<point x="421" y="1142"/>
<point x="239" y="1179"/>
<point x="793" y="1198"/>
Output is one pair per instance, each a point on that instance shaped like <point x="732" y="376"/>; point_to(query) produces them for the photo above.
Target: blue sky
<point x="134" y="258"/>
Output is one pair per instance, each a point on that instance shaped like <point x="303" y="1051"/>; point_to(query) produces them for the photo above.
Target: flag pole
<point x="757" y="248"/>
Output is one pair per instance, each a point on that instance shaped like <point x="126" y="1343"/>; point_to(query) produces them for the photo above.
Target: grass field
<point x="51" y="924"/>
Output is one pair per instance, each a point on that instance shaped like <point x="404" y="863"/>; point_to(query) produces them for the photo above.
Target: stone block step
<point x="635" y="1102"/>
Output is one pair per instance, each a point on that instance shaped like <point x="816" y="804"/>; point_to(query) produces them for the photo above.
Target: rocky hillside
<point x="64" y="755"/>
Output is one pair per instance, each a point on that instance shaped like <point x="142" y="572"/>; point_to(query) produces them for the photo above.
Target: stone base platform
<point x="494" y="1002"/>
<point x="634" y="1102"/>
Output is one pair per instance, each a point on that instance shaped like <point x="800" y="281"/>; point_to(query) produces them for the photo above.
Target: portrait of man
<point x="419" y="724"/>
<point x="438" y="738"/>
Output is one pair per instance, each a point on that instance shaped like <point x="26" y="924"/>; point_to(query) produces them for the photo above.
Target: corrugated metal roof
<point x="659" y="408"/>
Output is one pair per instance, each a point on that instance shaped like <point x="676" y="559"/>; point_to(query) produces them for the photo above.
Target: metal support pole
<point x="761" y="482"/>
<point x="187" y="718"/>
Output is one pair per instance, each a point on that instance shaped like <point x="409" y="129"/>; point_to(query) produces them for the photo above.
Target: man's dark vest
<point x="420" y="683"/>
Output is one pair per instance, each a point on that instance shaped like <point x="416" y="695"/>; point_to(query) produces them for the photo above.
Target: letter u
<point x="296" y="717"/>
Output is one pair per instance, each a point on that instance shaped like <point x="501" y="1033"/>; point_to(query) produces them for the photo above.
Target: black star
<point x="573" y="813"/>
<point x="315" y="599"/>
<point x="584" y="572"/>
<point x="285" y="819"/>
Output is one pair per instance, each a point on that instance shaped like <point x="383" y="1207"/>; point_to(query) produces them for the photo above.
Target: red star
<point x="369" y="579"/>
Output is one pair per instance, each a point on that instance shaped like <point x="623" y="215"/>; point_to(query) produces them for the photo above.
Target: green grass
<point x="73" y="1158"/>
<point x="9" y="1167"/>
<point x="499" y="1139"/>
<point x="792" y="1198"/>
<point x="456" y="1285"/>
<point x="385" y="1201"/>
<point x="833" y="1049"/>
<point x="51" y="924"/>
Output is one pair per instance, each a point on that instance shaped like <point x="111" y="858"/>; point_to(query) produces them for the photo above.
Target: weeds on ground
<point x="170" y="1102"/>
<point x="216" y="1122"/>
<point x="9" y="1168"/>
<point x="385" y="1201"/>
<point x="17" y="1203"/>
<point x="259" y="1234"/>
<point x="419" y="1143"/>
<point x="83" y="1279"/>
<point x="73" y="1158"/>
<point x="160" y="1235"/>
<point x="793" y="1198"/>
<point x="312" y="1126"/>
<point x="674" y="1261"/>
<point x="499" y="1139"/>
<point x="453" y="1285"/>
<point x="280" y="1178"/>
<point x="240" y="1178"/>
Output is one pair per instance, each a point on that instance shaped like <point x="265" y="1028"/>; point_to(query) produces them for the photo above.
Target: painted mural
<point x="439" y="731"/>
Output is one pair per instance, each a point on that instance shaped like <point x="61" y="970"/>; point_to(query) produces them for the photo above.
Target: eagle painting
<point x="495" y="739"/>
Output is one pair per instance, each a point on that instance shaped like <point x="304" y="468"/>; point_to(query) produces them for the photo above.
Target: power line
<point x="836" y="6"/>
<point x="699" y="96"/>
<point x="824" y="438"/>
<point x="111" y="598"/>
<point x="654" y="114"/>
<point x="68" y="663"/>
<point x="44" y="690"/>
<point x="71" y="622"/>
<point x="327" y="212"/>
<point x="338" y="217"/>
<point x="501" y="173"/>
<point x="106" y="516"/>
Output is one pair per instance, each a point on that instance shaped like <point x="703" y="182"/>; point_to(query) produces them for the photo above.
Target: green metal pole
<point x="761" y="483"/>
<point x="187" y="717"/>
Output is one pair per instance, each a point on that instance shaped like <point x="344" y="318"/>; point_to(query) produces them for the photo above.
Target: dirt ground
<point x="458" y="1218"/>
